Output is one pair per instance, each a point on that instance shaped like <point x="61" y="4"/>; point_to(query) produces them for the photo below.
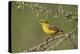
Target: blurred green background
<point x="26" y="30"/>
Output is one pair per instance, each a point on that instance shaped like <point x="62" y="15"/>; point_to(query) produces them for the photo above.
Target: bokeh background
<point x="27" y="31"/>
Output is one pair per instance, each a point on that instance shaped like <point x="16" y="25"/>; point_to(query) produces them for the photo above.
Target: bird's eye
<point x="42" y="21"/>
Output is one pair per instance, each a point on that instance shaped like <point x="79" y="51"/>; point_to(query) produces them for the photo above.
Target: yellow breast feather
<point x="47" y="30"/>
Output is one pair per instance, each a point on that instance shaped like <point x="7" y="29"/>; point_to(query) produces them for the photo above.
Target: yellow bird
<point x="50" y="29"/>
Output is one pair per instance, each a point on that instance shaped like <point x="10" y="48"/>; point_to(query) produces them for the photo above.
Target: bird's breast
<point x="47" y="30"/>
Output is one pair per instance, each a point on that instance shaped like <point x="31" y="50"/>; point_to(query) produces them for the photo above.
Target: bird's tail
<point x="61" y="32"/>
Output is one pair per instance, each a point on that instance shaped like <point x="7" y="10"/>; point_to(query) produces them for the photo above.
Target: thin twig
<point x="43" y="46"/>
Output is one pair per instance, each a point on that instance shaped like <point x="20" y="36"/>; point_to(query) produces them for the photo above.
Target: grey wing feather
<point x="51" y="27"/>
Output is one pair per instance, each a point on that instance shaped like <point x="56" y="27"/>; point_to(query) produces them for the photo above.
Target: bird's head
<point x="42" y="21"/>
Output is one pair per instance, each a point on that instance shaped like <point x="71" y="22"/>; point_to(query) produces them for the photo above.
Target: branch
<point x="46" y="44"/>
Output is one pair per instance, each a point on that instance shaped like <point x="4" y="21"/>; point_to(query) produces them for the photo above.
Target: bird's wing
<point x="51" y="27"/>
